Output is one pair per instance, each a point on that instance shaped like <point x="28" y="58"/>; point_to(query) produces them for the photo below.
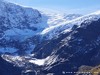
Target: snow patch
<point x="39" y="62"/>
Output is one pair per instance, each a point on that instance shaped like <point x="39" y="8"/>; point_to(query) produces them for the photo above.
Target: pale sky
<point x="73" y="6"/>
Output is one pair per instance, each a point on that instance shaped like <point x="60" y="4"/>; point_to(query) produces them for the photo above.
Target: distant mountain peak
<point x="97" y="12"/>
<point x="54" y="31"/>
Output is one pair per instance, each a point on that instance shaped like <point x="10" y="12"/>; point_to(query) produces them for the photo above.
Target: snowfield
<point x="54" y="31"/>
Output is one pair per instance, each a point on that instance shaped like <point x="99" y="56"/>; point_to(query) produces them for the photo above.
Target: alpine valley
<point x="34" y="42"/>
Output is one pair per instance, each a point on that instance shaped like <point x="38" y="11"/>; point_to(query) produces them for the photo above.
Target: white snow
<point x="55" y="18"/>
<point x="20" y="60"/>
<point x="16" y="60"/>
<point x="39" y="62"/>
<point x="55" y="30"/>
<point x="46" y="61"/>
<point x="19" y="22"/>
<point x="28" y="71"/>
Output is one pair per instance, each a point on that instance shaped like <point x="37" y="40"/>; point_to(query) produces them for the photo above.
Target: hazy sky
<point x="79" y="6"/>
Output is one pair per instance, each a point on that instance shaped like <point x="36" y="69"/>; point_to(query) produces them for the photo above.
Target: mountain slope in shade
<point x="8" y="68"/>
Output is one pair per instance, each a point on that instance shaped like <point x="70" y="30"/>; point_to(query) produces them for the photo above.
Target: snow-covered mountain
<point x="71" y="16"/>
<point x="33" y="42"/>
<point x="66" y="26"/>
<point x="21" y="27"/>
<point x="17" y="24"/>
<point x="55" y="18"/>
<point x="68" y="49"/>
